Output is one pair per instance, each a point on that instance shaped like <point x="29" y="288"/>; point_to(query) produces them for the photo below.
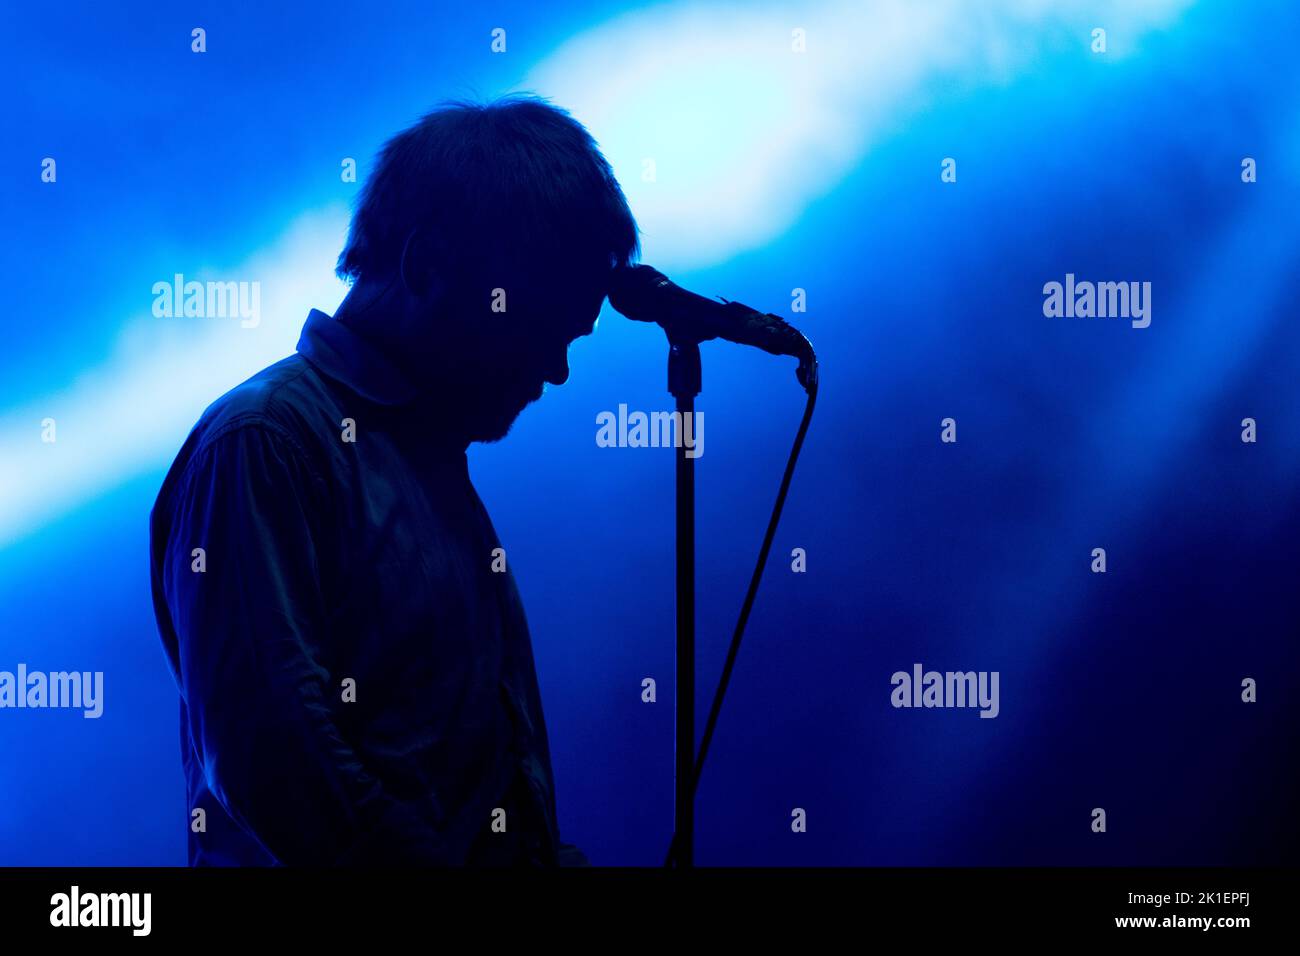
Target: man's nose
<point x="557" y="373"/>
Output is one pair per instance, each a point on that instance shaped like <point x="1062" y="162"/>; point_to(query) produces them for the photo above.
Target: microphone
<point x="646" y="295"/>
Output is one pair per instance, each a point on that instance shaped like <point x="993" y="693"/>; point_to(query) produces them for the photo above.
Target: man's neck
<point x="372" y="312"/>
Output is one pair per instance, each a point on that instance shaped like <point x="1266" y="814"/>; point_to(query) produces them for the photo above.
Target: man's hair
<point x="516" y="181"/>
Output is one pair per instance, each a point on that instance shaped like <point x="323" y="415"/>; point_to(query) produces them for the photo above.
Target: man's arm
<point x="249" y="627"/>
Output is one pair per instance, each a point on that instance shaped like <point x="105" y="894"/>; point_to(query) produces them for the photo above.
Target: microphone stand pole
<point x="685" y="382"/>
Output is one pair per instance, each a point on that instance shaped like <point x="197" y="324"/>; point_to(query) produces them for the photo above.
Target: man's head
<point x="480" y="248"/>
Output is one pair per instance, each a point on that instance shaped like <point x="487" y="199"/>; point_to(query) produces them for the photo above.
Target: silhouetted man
<point x="356" y="675"/>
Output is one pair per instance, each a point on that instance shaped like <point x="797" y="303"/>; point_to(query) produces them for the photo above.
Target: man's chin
<point x="494" y="428"/>
<point x="494" y="435"/>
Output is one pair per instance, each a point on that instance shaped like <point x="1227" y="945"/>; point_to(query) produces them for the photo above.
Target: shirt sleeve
<point x="250" y="627"/>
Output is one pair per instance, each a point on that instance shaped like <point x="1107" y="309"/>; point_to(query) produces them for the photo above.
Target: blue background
<point x="1119" y="690"/>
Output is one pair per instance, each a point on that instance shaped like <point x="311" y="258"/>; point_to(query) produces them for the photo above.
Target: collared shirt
<point x="356" y="674"/>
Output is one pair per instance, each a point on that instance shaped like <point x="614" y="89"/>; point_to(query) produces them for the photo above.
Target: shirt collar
<point x="347" y="357"/>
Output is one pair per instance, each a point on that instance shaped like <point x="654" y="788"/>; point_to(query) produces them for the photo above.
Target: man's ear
<point x="422" y="263"/>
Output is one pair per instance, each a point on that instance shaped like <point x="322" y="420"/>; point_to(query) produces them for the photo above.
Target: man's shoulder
<point x="287" y="399"/>
<point x="286" y="396"/>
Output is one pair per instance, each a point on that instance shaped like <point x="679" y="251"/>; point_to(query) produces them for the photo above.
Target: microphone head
<point x="637" y="292"/>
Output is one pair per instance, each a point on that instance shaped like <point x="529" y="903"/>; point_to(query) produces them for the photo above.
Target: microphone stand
<point x="645" y="294"/>
<point x="684" y="383"/>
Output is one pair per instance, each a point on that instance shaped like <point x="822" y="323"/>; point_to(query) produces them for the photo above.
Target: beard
<point x="491" y="416"/>
<point x="473" y="407"/>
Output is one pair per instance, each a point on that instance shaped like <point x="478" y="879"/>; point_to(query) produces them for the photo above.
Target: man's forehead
<point x="566" y="278"/>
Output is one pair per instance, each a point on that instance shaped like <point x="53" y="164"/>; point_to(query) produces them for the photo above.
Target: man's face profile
<point x="511" y="340"/>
